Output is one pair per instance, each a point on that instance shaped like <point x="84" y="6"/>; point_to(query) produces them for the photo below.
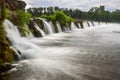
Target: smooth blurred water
<point x="83" y="54"/>
<point x="40" y="30"/>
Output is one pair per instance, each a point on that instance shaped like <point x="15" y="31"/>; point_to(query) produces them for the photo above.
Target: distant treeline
<point x="95" y="13"/>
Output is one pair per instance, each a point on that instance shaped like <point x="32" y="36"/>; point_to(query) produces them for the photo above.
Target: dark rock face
<point x="40" y="23"/>
<point x="78" y="22"/>
<point x="15" y="4"/>
<point x="35" y="32"/>
<point x="81" y="23"/>
<point x="6" y="53"/>
<point x="5" y="67"/>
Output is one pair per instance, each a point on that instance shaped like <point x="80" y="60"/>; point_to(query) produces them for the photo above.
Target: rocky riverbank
<point x="6" y="53"/>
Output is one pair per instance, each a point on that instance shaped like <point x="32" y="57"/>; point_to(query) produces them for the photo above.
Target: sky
<point x="83" y="5"/>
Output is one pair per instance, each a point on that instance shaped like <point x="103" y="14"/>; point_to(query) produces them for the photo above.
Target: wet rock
<point x="55" y="26"/>
<point x="5" y="67"/>
<point x="39" y="23"/>
<point x="35" y="32"/>
<point x="80" y="22"/>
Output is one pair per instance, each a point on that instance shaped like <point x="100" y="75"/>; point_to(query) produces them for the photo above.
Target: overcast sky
<point x="84" y="5"/>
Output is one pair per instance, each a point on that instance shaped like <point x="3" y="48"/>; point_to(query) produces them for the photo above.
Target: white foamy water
<point x="66" y="56"/>
<point x="58" y="26"/>
<point x="73" y="27"/>
<point x="51" y="24"/>
<point x="48" y="27"/>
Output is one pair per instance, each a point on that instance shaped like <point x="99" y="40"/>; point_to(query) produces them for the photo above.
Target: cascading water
<point x="96" y="23"/>
<point x="78" y="55"/>
<point x="13" y="29"/>
<point x="85" y="24"/>
<point x="51" y="24"/>
<point x="66" y="28"/>
<point x="48" y="27"/>
<point x="88" y="24"/>
<point x="73" y="27"/>
<point x="30" y="35"/>
<point x="79" y="25"/>
<point x="58" y="26"/>
<point x="92" y="23"/>
<point x="22" y="44"/>
<point x="40" y="30"/>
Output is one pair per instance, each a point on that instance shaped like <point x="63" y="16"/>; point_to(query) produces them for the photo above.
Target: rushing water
<point x="85" y="54"/>
<point x="48" y="27"/>
<point x="40" y="30"/>
<point x="58" y="26"/>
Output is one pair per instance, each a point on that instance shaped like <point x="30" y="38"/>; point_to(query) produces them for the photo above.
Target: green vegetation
<point x="58" y="16"/>
<point x="23" y="19"/>
<point x="6" y="13"/>
<point x="95" y="13"/>
<point x="6" y="53"/>
<point x="99" y="14"/>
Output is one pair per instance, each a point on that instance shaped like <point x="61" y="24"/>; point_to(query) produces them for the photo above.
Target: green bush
<point x="44" y="16"/>
<point x="59" y="16"/>
<point x="23" y="19"/>
<point x="6" y="13"/>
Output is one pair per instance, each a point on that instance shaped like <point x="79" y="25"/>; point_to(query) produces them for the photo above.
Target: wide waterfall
<point x="53" y="57"/>
<point x="27" y="46"/>
<point x="19" y="43"/>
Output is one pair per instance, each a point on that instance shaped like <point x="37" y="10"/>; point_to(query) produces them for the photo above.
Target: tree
<point x="102" y="8"/>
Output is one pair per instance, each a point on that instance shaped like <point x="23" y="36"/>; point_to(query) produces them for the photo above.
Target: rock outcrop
<point x="35" y="32"/>
<point x="40" y="23"/>
<point x="6" y="53"/>
<point x="15" y="4"/>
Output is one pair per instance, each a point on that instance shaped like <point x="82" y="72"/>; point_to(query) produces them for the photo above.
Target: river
<point x="84" y="54"/>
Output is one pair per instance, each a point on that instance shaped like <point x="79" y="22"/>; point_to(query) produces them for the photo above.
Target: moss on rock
<point x="6" y="53"/>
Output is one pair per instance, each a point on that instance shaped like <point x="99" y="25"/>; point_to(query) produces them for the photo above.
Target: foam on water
<point x="53" y="57"/>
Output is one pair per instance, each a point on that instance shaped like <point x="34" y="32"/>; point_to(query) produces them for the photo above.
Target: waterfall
<point x="58" y="26"/>
<point x="73" y="27"/>
<point x="79" y="25"/>
<point x="51" y="24"/>
<point x="48" y="27"/>
<point x="17" y="54"/>
<point x="28" y="46"/>
<point x="66" y="29"/>
<point x="40" y="30"/>
<point x="92" y="23"/>
<point x="85" y="24"/>
<point x="13" y="29"/>
<point x="19" y="43"/>
<point x="88" y="24"/>
<point x="96" y="23"/>
<point x="30" y="35"/>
